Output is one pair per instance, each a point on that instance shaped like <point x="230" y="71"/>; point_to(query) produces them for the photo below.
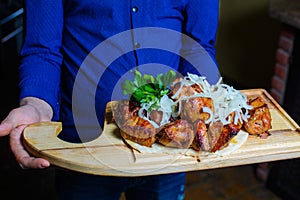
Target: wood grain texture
<point x="109" y="155"/>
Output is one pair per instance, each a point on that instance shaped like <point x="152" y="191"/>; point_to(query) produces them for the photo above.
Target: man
<point x="62" y="36"/>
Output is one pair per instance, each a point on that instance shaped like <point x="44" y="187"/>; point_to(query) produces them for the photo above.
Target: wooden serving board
<point x="109" y="155"/>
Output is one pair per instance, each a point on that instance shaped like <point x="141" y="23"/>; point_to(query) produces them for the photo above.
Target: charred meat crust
<point x="260" y="117"/>
<point x="148" y="142"/>
<point x="123" y="111"/>
<point x="220" y="140"/>
<point x="132" y="126"/>
<point x="201" y="141"/>
<point x="179" y="134"/>
<point x="192" y="109"/>
<point x="139" y="130"/>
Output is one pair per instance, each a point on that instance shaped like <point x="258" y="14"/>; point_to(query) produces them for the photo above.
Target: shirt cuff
<point x="44" y="94"/>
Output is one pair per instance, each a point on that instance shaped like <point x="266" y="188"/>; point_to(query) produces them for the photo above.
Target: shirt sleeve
<point x="41" y="58"/>
<point x="201" y="24"/>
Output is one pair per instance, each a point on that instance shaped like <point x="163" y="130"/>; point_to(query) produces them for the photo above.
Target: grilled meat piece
<point x="220" y="135"/>
<point x="156" y="116"/>
<point x="201" y="141"/>
<point x="179" y="134"/>
<point x="139" y="131"/>
<point x="185" y="90"/>
<point x="192" y="109"/>
<point x="260" y="117"/>
<point x="123" y="111"/>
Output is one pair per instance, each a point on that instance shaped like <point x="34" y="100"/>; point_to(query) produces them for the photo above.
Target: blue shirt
<point x="60" y="35"/>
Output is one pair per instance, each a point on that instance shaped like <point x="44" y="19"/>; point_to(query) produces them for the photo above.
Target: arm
<point x="201" y="23"/>
<point x="39" y="76"/>
<point x="41" y="56"/>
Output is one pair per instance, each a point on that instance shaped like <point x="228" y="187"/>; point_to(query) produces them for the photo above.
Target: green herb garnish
<point x="147" y="88"/>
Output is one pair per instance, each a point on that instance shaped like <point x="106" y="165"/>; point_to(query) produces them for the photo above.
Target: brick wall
<point x="283" y="60"/>
<point x="278" y="86"/>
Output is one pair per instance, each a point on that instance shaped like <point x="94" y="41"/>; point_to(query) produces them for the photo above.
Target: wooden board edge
<point x="29" y="146"/>
<point x="261" y="91"/>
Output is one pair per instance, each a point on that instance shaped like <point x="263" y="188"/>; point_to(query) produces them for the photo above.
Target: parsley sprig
<point x="147" y="88"/>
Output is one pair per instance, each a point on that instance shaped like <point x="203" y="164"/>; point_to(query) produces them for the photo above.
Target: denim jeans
<point x="73" y="185"/>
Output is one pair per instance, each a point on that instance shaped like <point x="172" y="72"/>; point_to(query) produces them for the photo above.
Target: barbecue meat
<point x="192" y="109"/>
<point x="220" y="135"/>
<point x="201" y="141"/>
<point x="185" y="90"/>
<point x="260" y="118"/>
<point x="123" y="111"/>
<point x="156" y="116"/>
<point x="214" y="138"/>
<point x="179" y="134"/>
<point x="139" y="131"/>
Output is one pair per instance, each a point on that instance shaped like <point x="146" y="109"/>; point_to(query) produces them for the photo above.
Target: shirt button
<point x="137" y="45"/>
<point x="135" y="9"/>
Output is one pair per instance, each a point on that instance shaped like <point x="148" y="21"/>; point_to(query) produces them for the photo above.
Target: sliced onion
<point x="210" y="112"/>
<point x="225" y="98"/>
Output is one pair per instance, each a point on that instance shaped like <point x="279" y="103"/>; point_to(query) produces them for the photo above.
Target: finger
<point x="22" y="157"/>
<point x="22" y="115"/>
<point x="10" y="122"/>
<point x="33" y="163"/>
<point x="5" y="128"/>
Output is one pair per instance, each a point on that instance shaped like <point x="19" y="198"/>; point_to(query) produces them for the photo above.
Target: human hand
<point x="31" y="110"/>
